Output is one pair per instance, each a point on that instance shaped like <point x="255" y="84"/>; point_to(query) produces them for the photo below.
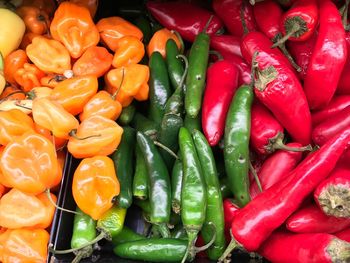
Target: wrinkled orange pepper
<point x="89" y="4"/>
<point x="36" y="20"/>
<point x="102" y="104"/>
<point x="14" y="123"/>
<point x="113" y="28"/>
<point x="28" y="76"/>
<point x="39" y="92"/>
<point x="95" y="135"/>
<point x="52" y="116"/>
<point x="14" y="61"/>
<point x="49" y="55"/>
<point x="74" y="93"/>
<point x="27" y="163"/>
<point x="130" y="50"/>
<point x="95" y="61"/>
<point x="47" y="5"/>
<point x="58" y="142"/>
<point x="12" y="93"/>
<point x="24" y="245"/>
<point x="72" y="25"/>
<point x="52" y="80"/>
<point x="159" y="39"/>
<point x="94" y="186"/>
<point x="19" y="209"/>
<point x="143" y="92"/>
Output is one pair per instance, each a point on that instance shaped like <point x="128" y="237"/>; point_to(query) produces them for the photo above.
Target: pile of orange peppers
<point x="52" y="102"/>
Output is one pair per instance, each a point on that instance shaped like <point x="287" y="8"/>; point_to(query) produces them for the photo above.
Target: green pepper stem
<point x="83" y="253"/>
<point x="120" y="85"/>
<point x="231" y="246"/>
<point x="276" y="143"/>
<point x="289" y="57"/>
<point x="344" y="14"/>
<point x="73" y="133"/>
<point x="48" y="194"/>
<point x="165" y="148"/>
<point x="179" y="37"/>
<point x="184" y="75"/>
<point x="210" y="243"/>
<point x="295" y="28"/>
<point x="254" y="68"/>
<point x="205" y="28"/>
<point x="192" y="236"/>
<point x="241" y="14"/>
<point x="163" y="230"/>
<point x="256" y="177"/>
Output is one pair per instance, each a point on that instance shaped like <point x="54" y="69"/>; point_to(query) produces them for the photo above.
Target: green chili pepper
<point x="225" y="190"/>
<point x="215" y="210"/>
<point x="159" y="181"/>
<point x="175" y="67"/>
<point x="159" y="87"/>
<point x="126" y="235"/>
<point x="145" y="125"/>
<point x="144" y="25"/>
<point x="193" y="194"/>
<point x="123" y="161"/>
<point x="112" y="222"/>
<point x="140" y="183"/>
<point x="176" y="185"/>
<point x="144" y="205"/>
<point x="236" y="143"/>
<point x="193" y="123"/>
<point x="127" y="115"/>
<point x="153" y="250"/>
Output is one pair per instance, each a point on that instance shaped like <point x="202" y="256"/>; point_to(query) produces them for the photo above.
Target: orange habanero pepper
<point x="95" y="135"/>
<point x="14" y="61"/>
<point x="39" y="92"/>
<point x="14" y="123"/>
<point x="24" y="245"/>
<point x="143" y="92"/>
<point x="28" y="76"/>
<point x="89" y="4"/>
<point x="19" y="209"/>
<point x="36" y="20"/>
<point x="159" y="39"/>
<point x="72" y="25"/>
<point x="95" y="61"/>
<point x="49" y="55"/>
<point x="95" y="185"/>
<point x="130" y="50"/>
<point x="74" y="93"/>
<point x="113" y="28"/>
<point x="27" y="163"/>
<point x="58" y="142"/>
<point x="52" y="116"/>
<point x="52" y="80"/>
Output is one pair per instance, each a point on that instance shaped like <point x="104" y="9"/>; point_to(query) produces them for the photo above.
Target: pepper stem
<point x="175" y="204"/>
<point x="163" y="230"/>
<point x="167" y="149"/>
<point x="241" y="14"/>
<point x="182" y="44"/>
<point x="120" y="85"/>
<point x="184" y="75"/>
<point x="254" y="68"/>
<point x="210" y="243"/>
<point x="276" y="143"/>
<point x="344" y="14"/>
<point x="231" y="246"/>
<point x="256" y="177"/>
<point x="335" y="200"/>
<point x="192" y="236"/>
<point x="205" y="28"/>
<point x="83" y="253"/>
<point x="338" y="250"/>
<point x="48" y="194"/>
<point x="73" y="133"/>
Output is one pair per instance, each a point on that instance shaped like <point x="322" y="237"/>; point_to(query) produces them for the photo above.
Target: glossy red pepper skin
<point x="337" y="104"/>
<point x="328" y="58"/>
<point x="186" y="18"/>
<point x="259" y="218"/>
<point x="344" y="81"/>
<point x="222" y="82"/>
<point x="230" y="13"/>
<point x="284" y="96"/>
<point x="300" y="248"/>
<point x="244" y="70"/>
<point x="230" y="210"/>
<point x="343" y="235"/>
<point x="332" y="126"/>
<point x="226" y="44"/>
<point x="275" y="168"/>
<point x="310" y="219"/>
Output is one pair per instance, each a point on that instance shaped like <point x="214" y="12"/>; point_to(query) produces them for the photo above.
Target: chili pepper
<point x="179" y="232"/>
<point x="325" y="65"/>
<point x="153" y="249"/>
<point x="159" y="180"/>
<point x="332" y="195"/>
<point x="236" y="143"/>
<point x="130" y="50"/>
<point x="14" y="61"/>
<point x="244" y="70"/>
<point x="52" y="116"/>
<point x="36" y="20"/>
<point x="112" y="222"/>
<point x="113" y="28"/>
<point x="175" y="67"/>
<point x="36" y="150"/>
<point x="226" y="44"/>
<point x="343" y="235"/>
<point x="124" y="165"/>
<point x="142" y="23"/>
<point x="230" y="211"/>
<point x="28" y="76"/>
<point x="192" y="123"/>
<point x="140" y="182"/>
<point x="126" y="235"/>
<point x="278" y="86"/>
<point x="317" y="247"/>
<point x="275" y="168"/>
<point x="95" y="135"/>
<point x="221" y="84"/>
<point x="257" y="220"/>
<point x="24" y="245"/>
<point x="186" y="18"/>
<point x="343" y="84"/>
<point x="225" y="190"/>
<point x="214" y="212"/>
<point x="94" y="61"/>
<point x="336" y="105"/>
<point x="92" y="5"/>
<point x="193" y="193"/>
<point x="330" y="127"/>
<point x="159" y="87"/>
<point x="127" y="115"/>
<point x="145" y="125"/>
<point x="159" y="40"/>
<point x="233" y="12"/>
<point x="176" y="186"/>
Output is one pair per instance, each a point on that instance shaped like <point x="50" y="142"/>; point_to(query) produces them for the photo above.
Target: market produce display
<point x="225" y="123"/>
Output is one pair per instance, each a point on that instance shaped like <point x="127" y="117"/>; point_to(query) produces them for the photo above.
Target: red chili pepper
<point x="344" y="81"/>
<point x="244" y="70"/>
<point x="230" y="211"/>
<point x="187" y="19"/>
<point x="226" y="44"/>
<point x="337" y="104"/>
<point x="275" y="168"/>
<point x="328" y="57"/>
<point x="333" y="194"/>
<point x="231" y="12"/>
<point x="305" y="248"/>
<point x="332" y="126"/>
<point x="343" y="235"/>
<point x="310" y="219"/>
<point x="278" y="88"/>
<point x="261" y="216"/>
<point x="222" y="77"/>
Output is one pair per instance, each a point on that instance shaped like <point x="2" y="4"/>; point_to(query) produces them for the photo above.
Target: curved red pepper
<point x="343" y="235"/>
<point x="187" y="19"/>
<point x="331" y="127"/>
<point x="283" y="95"/>
<point x="230" y="13"/>
<point x="222" y="77"/>
<point x="244" y="69"/>
<point x="310" y="219"/>
<point x="230" y="210"/>
<point x="328" y="58"/>
<point x="226" y="44"/>
<point x="344" y="81"/>
<point x="275" y="168"/>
